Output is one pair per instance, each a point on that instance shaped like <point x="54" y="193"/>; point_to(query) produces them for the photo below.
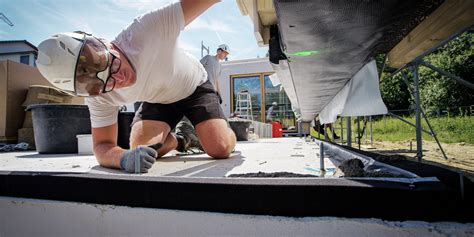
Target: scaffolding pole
<point x="448" y="75"/>
<point x="370" y="120"/>
<point x="431" y="132"/>
<point x="358" y="131"/>
<point x="349" y="132"/>
<point x="204" y="48"/>
<point x="342" y="133"/>
<point x="318" y="128"/>
<point x="419" y="143"/>
<point x="326" y="137"/>
<point x="408" y="122"/>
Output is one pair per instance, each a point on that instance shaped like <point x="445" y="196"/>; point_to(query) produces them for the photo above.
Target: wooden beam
<point x="451" y="17"/>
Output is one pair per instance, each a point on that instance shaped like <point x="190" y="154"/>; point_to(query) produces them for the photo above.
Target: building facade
<point x="20" y="51"/>
<point x="253" y="76"/>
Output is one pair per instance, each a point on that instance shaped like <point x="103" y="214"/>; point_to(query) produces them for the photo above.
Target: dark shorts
<point x="202" y="105"/>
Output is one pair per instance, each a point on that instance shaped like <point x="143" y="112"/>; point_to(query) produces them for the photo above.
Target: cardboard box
<point x="15" y="79"/>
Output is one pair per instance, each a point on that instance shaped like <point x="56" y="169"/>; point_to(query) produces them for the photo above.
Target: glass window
<point x="282" y="112"/>
<point x="25" y="59"/>
<point x="241" y="86"/>
<point x="260" y="108"/>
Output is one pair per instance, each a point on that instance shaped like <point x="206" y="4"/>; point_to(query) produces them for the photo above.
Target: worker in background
<point x="271" y="112"/>
<point x="143" y="63"/>
<point x="213" y="67"/>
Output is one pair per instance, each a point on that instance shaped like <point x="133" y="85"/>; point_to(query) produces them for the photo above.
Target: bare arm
<point x="192" y="8"/>
<point x="105" y="146"/>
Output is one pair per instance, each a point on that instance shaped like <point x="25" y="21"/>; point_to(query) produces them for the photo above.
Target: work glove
<point x="138" y="160"/>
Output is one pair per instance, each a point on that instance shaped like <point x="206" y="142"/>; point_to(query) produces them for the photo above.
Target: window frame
<point x="23" y="56"/>
<point x="261" y="76"/>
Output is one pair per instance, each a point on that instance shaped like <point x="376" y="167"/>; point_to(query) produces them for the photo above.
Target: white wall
<point x="30" y="217"/>
<point x="237" y="67"/>
<point x="16" y="57"/>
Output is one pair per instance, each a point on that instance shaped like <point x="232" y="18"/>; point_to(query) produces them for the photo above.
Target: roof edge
<point x="20" y="41"/>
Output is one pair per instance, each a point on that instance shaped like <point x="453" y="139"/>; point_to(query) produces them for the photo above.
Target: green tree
<point x="436" y="92"/>
<point x="395" y="93"/>
<point x="439" y="92"/>
<point x="393" y="90"/>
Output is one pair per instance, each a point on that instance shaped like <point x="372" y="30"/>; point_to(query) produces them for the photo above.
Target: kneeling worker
<point x="143" y="63"/>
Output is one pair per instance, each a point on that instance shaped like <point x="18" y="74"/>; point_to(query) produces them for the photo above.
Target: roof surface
<point x="6" y="46"/>
<point x="327" y="42"/>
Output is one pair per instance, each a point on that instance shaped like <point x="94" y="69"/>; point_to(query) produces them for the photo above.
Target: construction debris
<point x="271" y="175"/>
<point x="14" y="147"/>
<point x="350" y="168"/>
<point x="355" y="168"/>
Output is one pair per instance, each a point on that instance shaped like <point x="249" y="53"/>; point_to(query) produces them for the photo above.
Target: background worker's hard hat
<point x="224" y="47"/>
<point x="57" y="57"/>
<point x="275" y="103"/>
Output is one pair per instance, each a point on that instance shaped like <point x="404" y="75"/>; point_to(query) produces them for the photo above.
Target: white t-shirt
<point x="165" y="73"/>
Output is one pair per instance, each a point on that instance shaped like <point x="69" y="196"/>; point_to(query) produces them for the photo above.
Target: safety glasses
<point x="95" y="67"/>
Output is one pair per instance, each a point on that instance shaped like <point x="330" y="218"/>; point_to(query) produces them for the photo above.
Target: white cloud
<point x="3" y="34"/>
<point x="140" y="4"/>
<point x="242" y="52"/>
<point x="219" y="37"/>
<point x="248" y="52"/>
<point x="214" y="25"/>
<point x="107" y="7"/>
<point x="82" y="25"/>
<point x="49" y="10"/>
<point x="193" y="49"/>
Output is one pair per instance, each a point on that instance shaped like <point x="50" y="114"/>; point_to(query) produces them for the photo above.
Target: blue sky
<point x="35" y="20"/>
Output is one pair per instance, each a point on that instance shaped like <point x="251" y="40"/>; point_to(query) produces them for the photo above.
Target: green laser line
<point x="304" y="53"/>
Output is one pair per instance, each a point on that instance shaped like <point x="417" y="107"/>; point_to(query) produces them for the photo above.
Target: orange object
<point x="277" y="131"/>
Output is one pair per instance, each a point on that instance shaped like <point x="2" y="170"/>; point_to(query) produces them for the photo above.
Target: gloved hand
<point x="138" y="160"/>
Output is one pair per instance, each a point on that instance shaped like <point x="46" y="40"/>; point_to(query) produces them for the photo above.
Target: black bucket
<point x="240" y="128"/>
<point x="56" y="126"/>
<point x="125" y="119"/>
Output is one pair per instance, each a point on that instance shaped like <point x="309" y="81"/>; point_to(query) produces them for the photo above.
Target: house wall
<point x="13" y="50"/>
<point x="16" y="58"/>
<point x="239" y="67"/>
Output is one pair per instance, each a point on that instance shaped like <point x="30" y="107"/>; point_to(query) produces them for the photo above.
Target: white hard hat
<point x="78" y="63"/>
<point x="275" y="103"/>
<point x="224" y="47"/>
<point x="57" y="57"/>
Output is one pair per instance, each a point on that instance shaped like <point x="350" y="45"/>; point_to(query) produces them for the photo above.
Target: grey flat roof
<point x="198" y="183"/>
<point x="264" y="155"/>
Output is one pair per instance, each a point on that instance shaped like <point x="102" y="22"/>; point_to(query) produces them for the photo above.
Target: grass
<point x="448" y="129"/>
<point x="389" y="135"/>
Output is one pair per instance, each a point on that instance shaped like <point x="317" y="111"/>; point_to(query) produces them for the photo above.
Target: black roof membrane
<point x="328" y="41"/>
